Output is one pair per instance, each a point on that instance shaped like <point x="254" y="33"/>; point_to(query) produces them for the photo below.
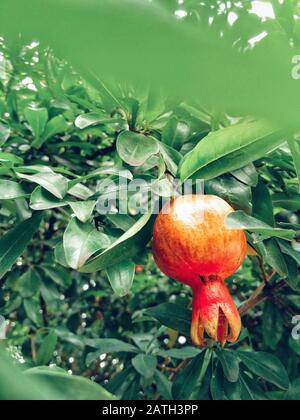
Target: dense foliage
<point x="80" y="290"/>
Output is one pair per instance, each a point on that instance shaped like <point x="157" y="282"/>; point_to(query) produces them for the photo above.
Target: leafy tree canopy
<point x="80" y="292"/>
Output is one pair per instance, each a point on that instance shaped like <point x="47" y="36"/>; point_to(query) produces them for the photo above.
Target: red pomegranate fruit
<point x="192" y="245"/>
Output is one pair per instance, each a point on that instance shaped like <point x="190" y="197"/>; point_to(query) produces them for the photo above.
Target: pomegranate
<point x="192" y="245"/>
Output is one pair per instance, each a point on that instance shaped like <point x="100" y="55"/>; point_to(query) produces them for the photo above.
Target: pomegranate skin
<point x="191" y="244"/>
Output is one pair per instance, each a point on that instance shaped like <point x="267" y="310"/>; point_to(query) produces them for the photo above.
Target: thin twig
<point x="263" y="292"/>
<point x="33" y="348"/>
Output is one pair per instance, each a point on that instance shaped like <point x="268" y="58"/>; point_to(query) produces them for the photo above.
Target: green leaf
<point x="37" y="118"/>
<point x="175" y="133"/>
<point x="14" y="385"/>
<point x="290" y="251"/>
<point x="107" y="345"/>
<point x="240" y="220"/>
<point x="223" y="390"/>
<point x="187" y="378"/>
<point x="128" y="245"/>
<point x="135" y="149"/>
<point x="80" y="191"/>
<point x="272" y="325"/>
<point x="59" y="275"/>
<point x="10" y="158"/>
<point x="60" y="256"/>
<point x="83" y="209"/>
<point x="13" y="243"/>
<point x="294" y="145"/>
<point x="81" y="241"/>
<point x="5" y="132"/>
<point x="250" y="391"/>
<point x="290" y="201"/>
<point x="248" y="175"/>
<point x="54" y="183"/>
<point x="266" y="366"/>
<point x="10" y="190"/>
<point x="29" y="283"/>
<point x="272" y="255"/>
<point x="47" y="348"/>
<point x="186" y="352"/>
<point x="41" y="199"/>
<point x="55" y="126"/>
<point x="121" y="277"/>
<point x="295" y="345"/>
<point x="32" y="309"/>
<point x="49" y="291"/>
<point x="121" y="221"/>
<point x="293" y="393"/>
<point x="172" y="316"/>
<point x="234" y="192"/>
<point x="171" y="157"/>
<point x="229" y="149"/>
<point x="262" y="203"/>
<point x="68" y="386"/>
<point x="145" y="365"/>
<point x="230" y="364"/>
<point x="117" y="384"/>
<point x="164" y="386"/>
<point x="293" y="278"/>
<point x="94" y="118"/>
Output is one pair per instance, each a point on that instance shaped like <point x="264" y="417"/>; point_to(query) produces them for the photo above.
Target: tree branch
<point x="263" y="292"/>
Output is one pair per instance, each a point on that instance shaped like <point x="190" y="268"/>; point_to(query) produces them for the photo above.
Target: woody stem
<point x="260" y="295"/>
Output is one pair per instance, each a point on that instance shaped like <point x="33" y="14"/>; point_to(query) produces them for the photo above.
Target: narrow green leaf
<point x="47" y="348"/>
<point x="32" y="309"/>
<point x="272" y="255"/>
<point x="262" y="203"/>
<point x="13" y="244"/>
<point x="172" y="316"/>
<point x="5" y="132"/>
<point x="230" y="364"/>
<point x="294" y="145"/>
<point x="121" y="277"/>
<point x="54" y="183"/>
<point x="266" y="366"/>
<point x="272" y="325"/>
<point x="164" y="386"/>
<point x="240" y="220"/>
<point x="186" y="352"/>
<point x="290" y="201"/>
<point x="229" y="149"/>
<point x="145" y="365"/>
<point x="187" y="379"/>
<point x="175" y="133"/>
<point x="37" y="118"/>
<point x="107" y="345"/>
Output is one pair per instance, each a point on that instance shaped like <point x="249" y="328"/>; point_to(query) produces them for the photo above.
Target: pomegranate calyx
<point x="214" y="312"/>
